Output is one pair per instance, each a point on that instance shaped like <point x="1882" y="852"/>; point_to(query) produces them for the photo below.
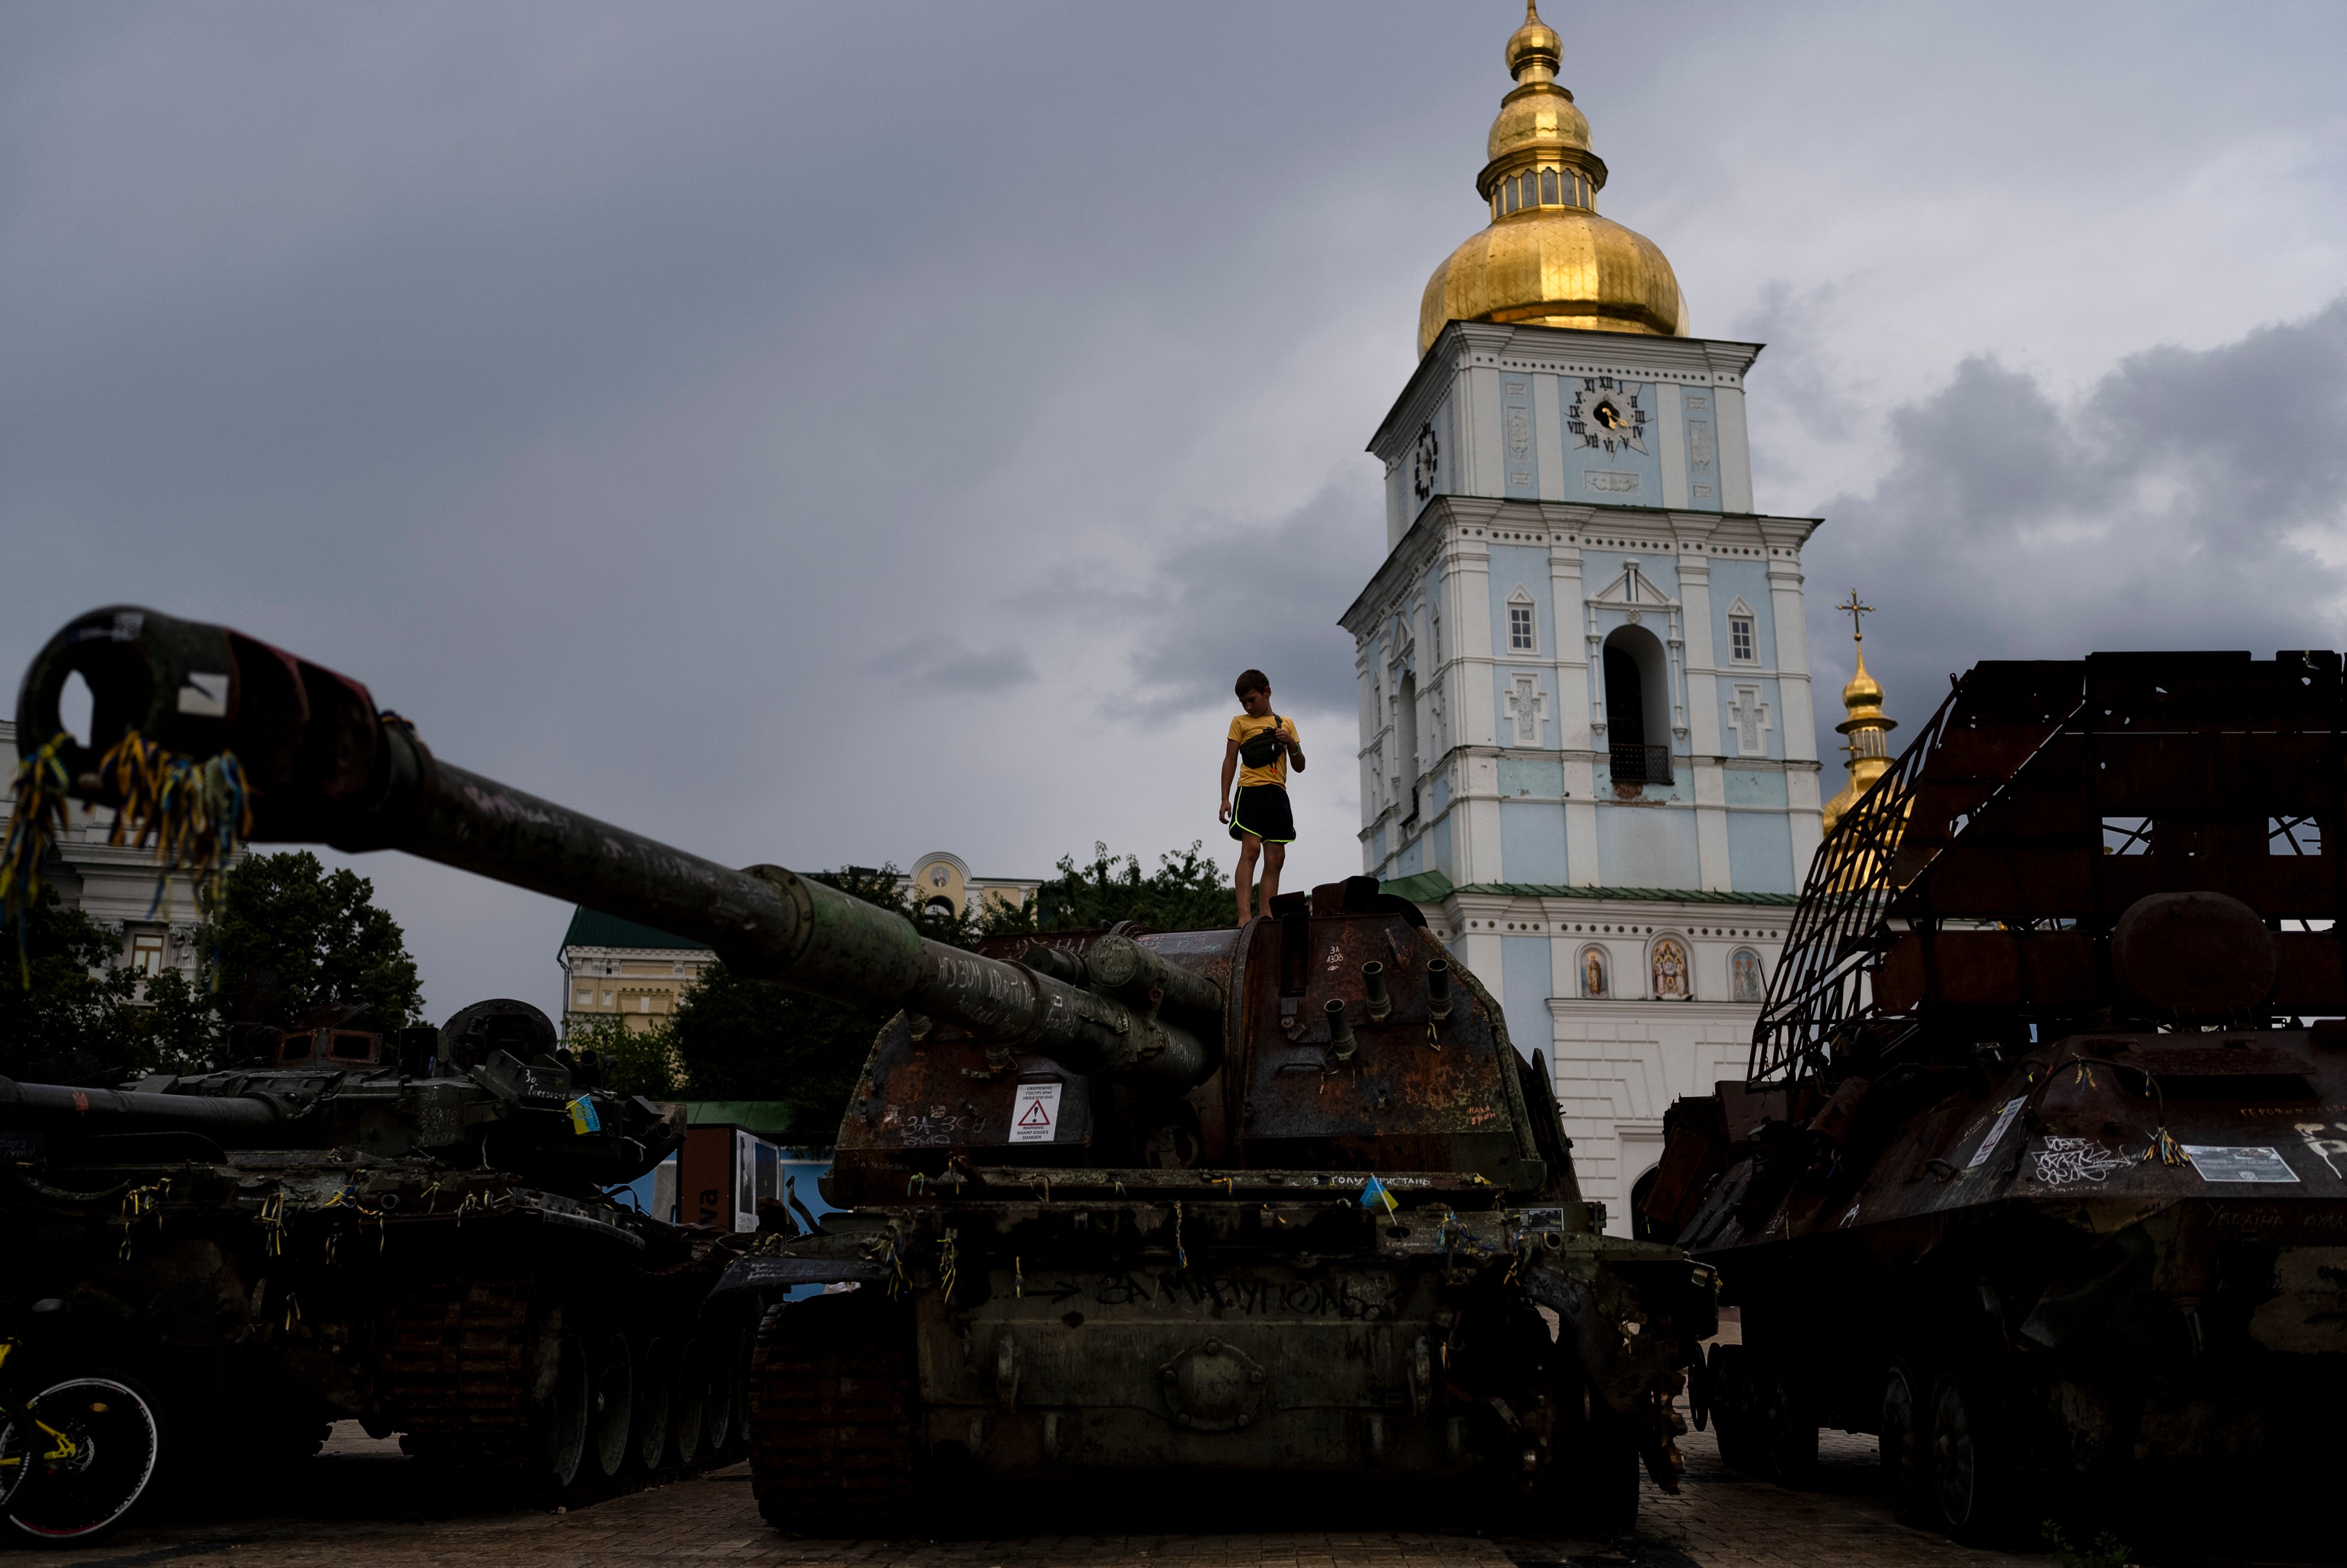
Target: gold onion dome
<point x="1548" y="258"/>
<point x="1867" y="728"/>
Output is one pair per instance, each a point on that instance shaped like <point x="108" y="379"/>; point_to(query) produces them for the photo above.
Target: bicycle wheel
<point x="77" y="1490"/>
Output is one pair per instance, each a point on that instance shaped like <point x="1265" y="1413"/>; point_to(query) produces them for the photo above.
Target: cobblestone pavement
<point x="361" y="1507"/>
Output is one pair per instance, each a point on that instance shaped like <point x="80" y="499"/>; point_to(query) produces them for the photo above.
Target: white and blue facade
<point x="1585" y="712"/>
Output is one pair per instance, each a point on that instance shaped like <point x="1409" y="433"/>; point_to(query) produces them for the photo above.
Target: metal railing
<point x="1641" y="763"/>
<point x="1824" y="980"/>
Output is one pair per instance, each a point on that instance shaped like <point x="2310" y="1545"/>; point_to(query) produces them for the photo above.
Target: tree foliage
<point x="1187" y="892"/>
<point x="288" y="937"/>
<point x="633" y="1062"/>
<point x="313" y="937"/>
<point x="82" y="1019"/>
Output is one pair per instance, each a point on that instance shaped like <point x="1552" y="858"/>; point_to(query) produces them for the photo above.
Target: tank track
<point x="459" y="1369"/>
<point x="832" y="1398"/>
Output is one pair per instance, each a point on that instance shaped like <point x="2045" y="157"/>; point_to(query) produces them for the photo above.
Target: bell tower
<point x="1588" y="740"/>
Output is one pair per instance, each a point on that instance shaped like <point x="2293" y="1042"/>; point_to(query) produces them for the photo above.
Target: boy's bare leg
<point x="1249" y="845"/>
<point x="1274" y="856"/>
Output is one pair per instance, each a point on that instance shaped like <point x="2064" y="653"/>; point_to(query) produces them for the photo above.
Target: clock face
<point x="1423" y="466"/>
<point x="1607" y="415"/>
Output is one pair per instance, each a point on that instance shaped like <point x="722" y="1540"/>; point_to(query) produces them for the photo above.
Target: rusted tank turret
<point x="1275" y="1199"/>
<point x="2038" y="1169"/>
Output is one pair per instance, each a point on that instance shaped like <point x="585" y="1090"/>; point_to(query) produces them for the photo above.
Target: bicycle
<point x="76" y="1456"/>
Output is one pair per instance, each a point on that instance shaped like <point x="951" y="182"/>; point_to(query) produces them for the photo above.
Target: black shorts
<point x="1263" y="811"/>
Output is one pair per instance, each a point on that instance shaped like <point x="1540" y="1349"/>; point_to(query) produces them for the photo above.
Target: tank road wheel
<point x="1905" y="1443"/>
<point x="831" y="1422"/>
<point x="1971" y="1471"/>
<point x="1789" y="1428"/>
<point x="655" y="1389"/>
<point x="563" y="1419"/>
<point x="1733" y="1418"/>
<point x="721" y="1361"/>
<point x="611" y="1414"/>
<point x="690" y="1409"/>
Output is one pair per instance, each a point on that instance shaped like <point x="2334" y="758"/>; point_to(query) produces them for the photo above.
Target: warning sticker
<point x="1035" y="1113"/>
<point x="1996" y="1130"/>
<point x="2221" y="1163"/>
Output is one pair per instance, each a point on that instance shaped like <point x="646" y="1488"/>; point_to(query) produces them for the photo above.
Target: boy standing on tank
<point x="1260" y="816"/>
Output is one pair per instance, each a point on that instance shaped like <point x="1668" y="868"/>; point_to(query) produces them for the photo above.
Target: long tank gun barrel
<point x="57" y="1108"/>
<point x="323" y="764"/>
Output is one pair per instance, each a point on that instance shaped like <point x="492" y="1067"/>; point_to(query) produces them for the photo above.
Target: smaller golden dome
<point x="1864" y="691"/>
<point x="1548" y="259"/>
<point x="1867" y="728"/>
<point x="1534" y="44"/>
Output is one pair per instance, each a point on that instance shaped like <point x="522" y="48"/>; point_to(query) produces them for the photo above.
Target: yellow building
<point x="943" y="882"/>
<point x="614" y="966"/>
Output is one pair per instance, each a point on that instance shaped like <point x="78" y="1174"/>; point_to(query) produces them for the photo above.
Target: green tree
<point x="54" y="1003"/>
<point x="1187" y="892"/>
<point x="634" y="1061"/>
<point x="318" y="934"/>
<point x="83" y="1017"/>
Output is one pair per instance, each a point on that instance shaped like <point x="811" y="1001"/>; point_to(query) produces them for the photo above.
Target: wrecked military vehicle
<point x="2037" y="1171"/>
<point x="1275" y="1199"/>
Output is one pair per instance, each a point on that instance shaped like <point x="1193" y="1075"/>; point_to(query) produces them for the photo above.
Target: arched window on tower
<point x="1548" y="185"/>
<point x="1637" y="707"/>
<point x="1406" y="735"/>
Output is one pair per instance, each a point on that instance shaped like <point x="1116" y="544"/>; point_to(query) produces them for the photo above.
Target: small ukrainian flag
<point x="582" y="1116"/>
<point x="1373" y="1192"/>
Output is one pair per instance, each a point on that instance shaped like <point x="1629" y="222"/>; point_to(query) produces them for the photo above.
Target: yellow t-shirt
<point x="1275" y="770"/>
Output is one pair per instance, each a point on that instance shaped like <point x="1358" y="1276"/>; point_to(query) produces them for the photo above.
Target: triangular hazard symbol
<point x="1037" y="1115"/>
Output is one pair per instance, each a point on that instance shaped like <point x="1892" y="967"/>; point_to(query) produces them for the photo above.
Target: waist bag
<point x="1258" y="749"/>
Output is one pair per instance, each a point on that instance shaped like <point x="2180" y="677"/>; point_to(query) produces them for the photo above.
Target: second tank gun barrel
<point x="57" y="1108"/>
<point x="321" y="763"/>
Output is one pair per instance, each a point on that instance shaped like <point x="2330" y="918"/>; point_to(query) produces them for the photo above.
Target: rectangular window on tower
<point x="1519" y="629"/>
<point x="1739" y="639"/>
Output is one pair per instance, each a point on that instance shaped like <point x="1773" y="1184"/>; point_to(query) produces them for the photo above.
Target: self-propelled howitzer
<point x="1282" y="1198"/>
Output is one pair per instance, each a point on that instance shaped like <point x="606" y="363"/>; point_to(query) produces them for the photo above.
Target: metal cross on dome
<point x="1854" y="609"/>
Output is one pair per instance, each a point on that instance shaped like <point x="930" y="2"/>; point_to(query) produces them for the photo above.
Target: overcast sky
<point x="824" y="434"/>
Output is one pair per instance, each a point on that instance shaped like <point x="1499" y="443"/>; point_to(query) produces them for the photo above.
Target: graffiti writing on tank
<point x="917" y="1130"/>
<point x="2326" y="1149"/>
<point x="2066" y="1160"/>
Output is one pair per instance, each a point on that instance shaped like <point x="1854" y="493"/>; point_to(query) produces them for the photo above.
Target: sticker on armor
<point x="1996" y="1130"/>
<point x="1035" y="1113"/>
<point x="2222" y="1162"/>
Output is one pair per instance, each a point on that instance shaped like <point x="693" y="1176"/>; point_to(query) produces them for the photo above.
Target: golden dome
<point x="1868" y="728"/>
<point x="1548" y="258"/>
<point x="1863" y="693"/>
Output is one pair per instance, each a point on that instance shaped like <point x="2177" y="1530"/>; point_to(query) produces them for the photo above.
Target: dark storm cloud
<point x="632" y="393"/>
<point x="2188" y="499"/>
<point x="1260" y="598"/>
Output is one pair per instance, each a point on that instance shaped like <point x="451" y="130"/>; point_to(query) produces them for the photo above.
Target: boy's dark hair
<point x="1251" y="680"/>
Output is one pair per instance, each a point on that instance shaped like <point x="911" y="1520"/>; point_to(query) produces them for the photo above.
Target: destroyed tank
<point x="2036" y="1172"/>
<point x="409" y="1230"/>
<point x="1280" y="1201"/>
